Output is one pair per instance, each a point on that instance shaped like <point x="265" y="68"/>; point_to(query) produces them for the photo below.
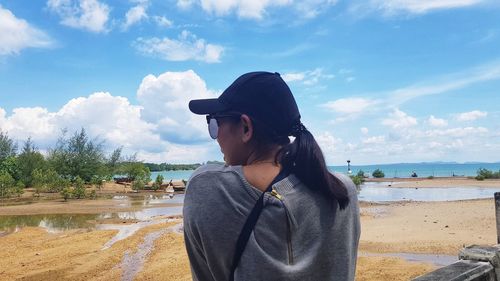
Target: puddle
<point x="438" y="260"/>
<point x="52" y="223"/>
<point x="61" y="222"/>
<point x="379" y="192"/>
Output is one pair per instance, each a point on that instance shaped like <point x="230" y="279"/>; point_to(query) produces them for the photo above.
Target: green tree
<point x="38" y="181"/>
<point x="378" y="173"/>
<point x="138" y="184"/>
<point x="7" y="184"/>
<point x="79" y="190"/>
<point x="483" y="173"/>
<point x="10" y="165"/>
<point x="158" y="182"/>
<point x="114" y="160"/>
<point x="8" y="147"/>
<point x="19" y="188"/>
<point x="135" y="171"/>
<point x="48" y="181"/>
<point x="77" y="156"/>
<point x="98" y="181"/>
<point x="66" y="193"/>
<point x="28" y="160"/>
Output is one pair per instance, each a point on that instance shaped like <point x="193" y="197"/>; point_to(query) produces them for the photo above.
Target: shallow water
<point x="52" y="223"/>
<point x="438" y="260"/>
<point x="380" y="192"/>
<point x="62" y="222"/>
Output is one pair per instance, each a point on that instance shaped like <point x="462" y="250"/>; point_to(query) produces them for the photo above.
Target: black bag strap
<point x="249" y="225"/>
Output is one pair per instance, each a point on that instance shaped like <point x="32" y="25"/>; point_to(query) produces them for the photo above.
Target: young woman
<point x="274" y="211"/>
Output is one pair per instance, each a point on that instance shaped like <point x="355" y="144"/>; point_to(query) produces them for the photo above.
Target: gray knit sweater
<point x="299" y="235"/>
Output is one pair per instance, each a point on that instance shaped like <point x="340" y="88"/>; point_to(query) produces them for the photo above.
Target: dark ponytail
<point x="304" y="158"/>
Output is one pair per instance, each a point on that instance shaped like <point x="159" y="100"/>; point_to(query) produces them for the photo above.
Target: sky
<point x="394" y="81"/>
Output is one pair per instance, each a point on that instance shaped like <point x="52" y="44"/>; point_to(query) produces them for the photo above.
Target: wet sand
<point x="438" y="182"/>
<point x="401" y="227"/>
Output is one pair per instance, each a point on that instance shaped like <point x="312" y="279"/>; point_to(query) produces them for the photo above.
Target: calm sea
<point x="390" y="170"/>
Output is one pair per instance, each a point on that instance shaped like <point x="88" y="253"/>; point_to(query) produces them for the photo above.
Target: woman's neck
<point x="261" y="171"/>
<point x="263" y="158"/>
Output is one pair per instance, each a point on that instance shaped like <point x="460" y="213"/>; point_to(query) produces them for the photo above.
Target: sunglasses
<point x="213" y="122"/>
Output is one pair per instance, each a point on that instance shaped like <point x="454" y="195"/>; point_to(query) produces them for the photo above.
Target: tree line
<point x="153" y="167"/>
<point x="74" y="162"/>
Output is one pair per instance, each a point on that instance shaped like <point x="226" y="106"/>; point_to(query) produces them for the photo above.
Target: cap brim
<point x="206" y="106"/>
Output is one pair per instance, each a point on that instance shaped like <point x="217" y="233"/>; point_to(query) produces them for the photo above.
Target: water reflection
<point x="436" y="259"/>
<point x="52" y="223"/>
<point x="62" y="222"/>
<point x="379" y="192"/>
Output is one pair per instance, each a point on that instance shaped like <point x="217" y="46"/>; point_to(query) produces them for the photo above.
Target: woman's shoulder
<point x="211" y="170"/>
<point x="347" y="181"/>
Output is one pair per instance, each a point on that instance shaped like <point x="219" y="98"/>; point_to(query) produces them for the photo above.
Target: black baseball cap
<point x="263" y="96"/>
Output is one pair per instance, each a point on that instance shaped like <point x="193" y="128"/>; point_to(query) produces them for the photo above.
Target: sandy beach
<point x="437" y="182"/>
<point x="388" y="230"/>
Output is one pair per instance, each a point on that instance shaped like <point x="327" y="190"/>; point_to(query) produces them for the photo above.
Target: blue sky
<point x="376" y="81"/>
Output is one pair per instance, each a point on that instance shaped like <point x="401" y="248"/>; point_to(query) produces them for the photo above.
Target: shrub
<point x="378" y="173"/>
<point x="66" y="193"/>
<point x="357" y="180"/>
<point x="138" y="184"/>
<point x="7" y="184"/>
<point x="79" y="191"/>
<point x="92" y="194"/>
<point x="487" y="174"/>
<point x="430" y="177"/>
<point x="19" y="188"/>
<point x="158" y="182"/>
<point x="361" y="174"/>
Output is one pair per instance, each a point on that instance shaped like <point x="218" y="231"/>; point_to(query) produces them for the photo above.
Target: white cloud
<point x="90" y="15"/>
<point x="165" y="100"/>
<point x="36" y="122"/>
<point x="308" y="78"/>
<point x="258" y="9"/>
<point x="162" y="21"/>
<point x="17" y="34"/>
<point x="446" y="83"/>
<point x="396" y="7"/>
<point x="399" y="120"/>
<point x="161" y="128"/>
<point x="175" y="153"/>
<point x="185" y="4"/>
<point x="437" y="122"/>
<point x="186" y="47"/>
<point x="350" y="106"/>
<point x="252" y="9"/>
<point x="457" y="132"/>
<point x="374" y="140"/>
<point x="364" y="130"/>
<point x="291" y="77"/>
<point x="471" y="115"/>
<point x="311" y="8"/>
<point x="107" y="117"/>
<point x="135" y="15"/>
<point x="113" y="118"/>
<point x="329" y="145"/>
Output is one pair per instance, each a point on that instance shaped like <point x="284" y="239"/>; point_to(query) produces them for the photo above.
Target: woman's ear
<point x="247" y="128"/>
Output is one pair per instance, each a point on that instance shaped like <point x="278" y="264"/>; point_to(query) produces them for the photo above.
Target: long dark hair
<point x="303" y="158"/>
